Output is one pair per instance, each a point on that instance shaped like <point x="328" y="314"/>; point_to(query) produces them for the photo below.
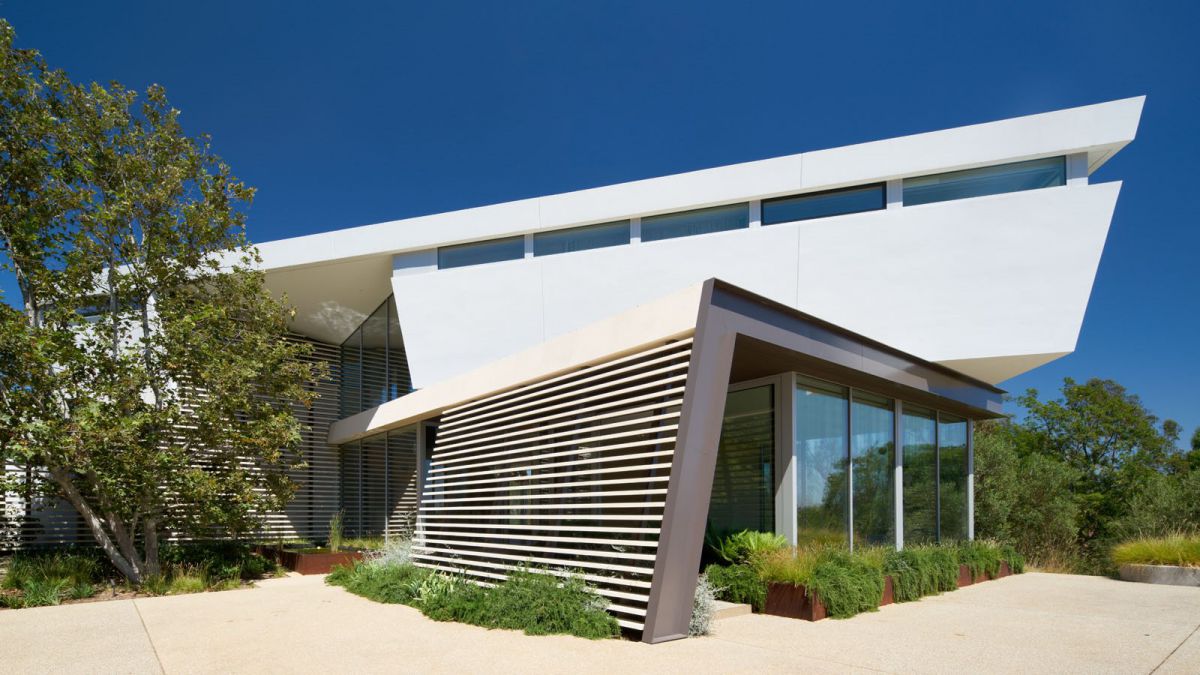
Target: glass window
<point x="872" y="448"/>
<point x="823" y="204"/>
<point x="480" y="252"/>
<point x="920" y="475"/>
<point x="989" y="180"/>
<point x="743" y="493"/>
<point x="701" y="221"/>
<point x="375" y="357"/>
<point x="399" y="382"/>
<point x="350" y="382"/>
<point x="952" y="474"/>
<point x="581" y="238"/>
<point x="821" y="454"/>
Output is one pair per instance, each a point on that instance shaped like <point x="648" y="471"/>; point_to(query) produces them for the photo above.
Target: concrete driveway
<point x="1030" y="623"/>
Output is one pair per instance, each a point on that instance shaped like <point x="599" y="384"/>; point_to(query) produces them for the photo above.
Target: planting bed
<point x="309" y="561"/>
<point x="795" y="602"/>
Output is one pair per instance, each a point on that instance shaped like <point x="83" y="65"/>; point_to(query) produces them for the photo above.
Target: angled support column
<point x="685" y="515"/>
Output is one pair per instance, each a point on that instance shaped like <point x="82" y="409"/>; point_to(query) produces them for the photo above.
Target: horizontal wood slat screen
<point x="28" y="520"/>
<point x="567" y="475"/>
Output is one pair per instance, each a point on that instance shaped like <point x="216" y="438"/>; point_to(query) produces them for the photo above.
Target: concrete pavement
<point x="1028" y="623"/>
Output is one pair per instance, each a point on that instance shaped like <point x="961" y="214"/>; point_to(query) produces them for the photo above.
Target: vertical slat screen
<point x="568" y="475"/>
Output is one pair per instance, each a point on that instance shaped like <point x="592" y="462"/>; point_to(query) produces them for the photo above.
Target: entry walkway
<point x="1028" y="623"/>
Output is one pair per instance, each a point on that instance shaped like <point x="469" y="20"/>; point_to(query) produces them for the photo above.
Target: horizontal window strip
<point x="426" y="518"/>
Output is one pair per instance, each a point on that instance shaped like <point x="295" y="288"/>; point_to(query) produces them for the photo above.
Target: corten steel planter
<point x="1005" y="571"/>
<point x="889" y="591"/>
<point x="310" y="563"/>
<point x="964" y="576"/>
<point x="793" y="602"/>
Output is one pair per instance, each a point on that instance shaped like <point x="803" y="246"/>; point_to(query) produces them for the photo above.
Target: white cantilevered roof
<point x="1100" y="130"/>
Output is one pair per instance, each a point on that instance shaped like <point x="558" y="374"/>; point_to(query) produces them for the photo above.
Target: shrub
<point x="788" y="565"/>
<point x="394" y="553"/>
<point x="71" y="567"/>
<point x="747" y="545"/>
<point x="703" y="607"/>
<point x="918" y="571"/>
<point x="1010" y="555"/>
<point x="847" y="583"/>
<point x="738" y="583"/>
<point x="535" y="602"/>
<point x="393" y="584"/>
<point x="1175" y="549"/>
<point x="980" y="557"/>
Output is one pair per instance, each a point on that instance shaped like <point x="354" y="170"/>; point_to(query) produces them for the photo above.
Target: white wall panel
<point x="1003" y="276"/>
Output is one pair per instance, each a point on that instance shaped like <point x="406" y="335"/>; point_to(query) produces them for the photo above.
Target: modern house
<point x="591" y="381"/>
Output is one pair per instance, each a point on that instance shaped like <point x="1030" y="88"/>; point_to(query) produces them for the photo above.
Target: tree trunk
<point x="96" y="525"/>
<point x="150" y="541"/>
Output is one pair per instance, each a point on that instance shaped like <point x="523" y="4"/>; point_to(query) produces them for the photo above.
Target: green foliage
<point x="81" y="591"/>
<point x="1081" y="473"/>
<point x="846" y="583"/>
<point x="1176" y="549"/>
<point x="43" y="593"/>
<point x="70" y="567"/>
<point x="747" y="545"/>
<point x="918" y="571"/>
<point x="738" y="583"/>
<point x="789" y="565"/>
<point x="335" y="530"/>
<point x="77" y="575"/>
<point x="980" y="557"/>
<point x="535" y="602"/>
<point x="138" y="290"/>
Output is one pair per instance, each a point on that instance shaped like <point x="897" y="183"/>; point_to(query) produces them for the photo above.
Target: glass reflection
<point x="952" y="470"/>
<point x="821" y="454"/>
<point x="872" y="448"/>
<point x="920" y="475"/>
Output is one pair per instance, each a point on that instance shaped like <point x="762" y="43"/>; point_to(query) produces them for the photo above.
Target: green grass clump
<point x="738" y="583"/>
<point x="788" y="565"/>
<point x="980" y="557"/>
<point x="1010" y="555"/>
<point x="535" y="602"/>
<point x="921" y="570"/>
<point x="747" y="545"/>
<point x="43" y="593"/>
<point x="1175" y="549"/>
<point x="847" y="583"/>
<point x="81" y="591"/>
<point x="72" y="567"/>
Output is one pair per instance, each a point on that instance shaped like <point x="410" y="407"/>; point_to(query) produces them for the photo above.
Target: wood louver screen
<point x="567" y="475"/>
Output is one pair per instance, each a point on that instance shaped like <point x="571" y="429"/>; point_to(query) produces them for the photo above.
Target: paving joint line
<point x="146" y="630"/>
<point x="1181" y="643"/>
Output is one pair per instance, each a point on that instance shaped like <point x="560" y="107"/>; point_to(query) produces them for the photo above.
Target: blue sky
<point x="351" y="113"/>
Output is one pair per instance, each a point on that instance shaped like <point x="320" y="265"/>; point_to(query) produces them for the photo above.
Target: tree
<point x="145" y="375"/>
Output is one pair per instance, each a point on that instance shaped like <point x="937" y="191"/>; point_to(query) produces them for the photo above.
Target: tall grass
<point x="1175" y="549"/>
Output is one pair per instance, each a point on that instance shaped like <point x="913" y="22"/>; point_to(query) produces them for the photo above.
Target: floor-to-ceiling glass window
<point x="872" y="451"/>
<point x="374" y="365"/>
<point x="375" y="357"/>
<point x="920" y="475"/>
<point x="743" y="493"/>
<point x="821" y="457"/>
<point x="952" y="474"/>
